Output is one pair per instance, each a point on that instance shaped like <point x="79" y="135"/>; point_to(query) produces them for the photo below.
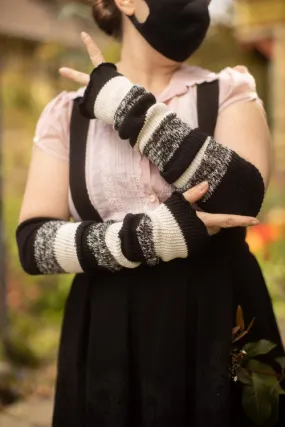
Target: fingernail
<point x="63" y="70"/>
<point x="203" y="186"/>
<point x="254" y="222"/>
<point x="84" y="35"/>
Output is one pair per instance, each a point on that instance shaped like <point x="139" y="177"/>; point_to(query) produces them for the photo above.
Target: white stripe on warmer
<point x="110" y="97"/>
<point x="65" y="248"/>
<point x="193" y="167"/>
<point x="113" y="243"/>
<point x="168" y="238"/>
<point x="153" y="119"/>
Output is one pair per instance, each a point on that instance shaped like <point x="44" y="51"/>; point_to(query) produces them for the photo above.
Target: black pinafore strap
<point x="207" y="108"/>
<point x="79" y="127"/>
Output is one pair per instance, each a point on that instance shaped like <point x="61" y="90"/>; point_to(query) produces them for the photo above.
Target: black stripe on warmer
<point x="135" y="118"/>
<point x="25" y="236"/>
<point x="193" y="229"/>
<point x="129" y="242"/>
<point x="184" y="155"/>
<point x="86" y="259"/>
<point x="98" y="78"/>
<point x="240" y="192"/>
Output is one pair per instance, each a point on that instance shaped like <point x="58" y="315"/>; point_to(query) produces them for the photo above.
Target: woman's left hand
<point x="96" y="59"/>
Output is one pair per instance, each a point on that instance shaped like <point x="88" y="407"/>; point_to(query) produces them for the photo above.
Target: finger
<point x="92" y="49"/>
<point x="76" y="76"/>
<point x="196" y="193"/>
<point x="226" y="221"/>
<point x="213" y="230"/>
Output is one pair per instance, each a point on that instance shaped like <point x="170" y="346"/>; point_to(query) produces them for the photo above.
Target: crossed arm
<point x="236" y="163"/>
<point x="184" y="156"/>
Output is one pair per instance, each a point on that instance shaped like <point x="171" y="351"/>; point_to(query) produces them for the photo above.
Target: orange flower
<point x="259" y="237"/>
<point x="276" y="217"/>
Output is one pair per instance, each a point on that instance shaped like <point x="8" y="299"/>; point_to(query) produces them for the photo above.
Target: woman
<point x="147" y="327"/>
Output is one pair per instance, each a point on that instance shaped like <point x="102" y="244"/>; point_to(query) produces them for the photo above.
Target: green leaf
<point x="257" y="401"/>
<point x="243" y="376"/>
<point x="264" y="372"/>
<point x="281" y="362"/>
<point x="261" y="397"/>
<point x="258" y="348"/>
<point x="278" y="389"/>
<point x="274" y="410"/>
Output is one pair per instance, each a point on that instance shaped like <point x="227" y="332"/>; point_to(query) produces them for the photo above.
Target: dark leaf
<point x="278" y="389"/>
<point x="244" y="376"/>
<point x="258" y="348"/>
<point x="256" y="401"/>
<point x="240" y="336"/>
<point x="239" y="318"/>
<point x="235" y="331"/>
<point x="250" y="325"/>
<point x="264" y="372"/>
<point x="281" y="362"/>
<point x="274" y="398"/>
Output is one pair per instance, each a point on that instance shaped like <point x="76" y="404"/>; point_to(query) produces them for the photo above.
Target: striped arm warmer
<point x="184" y="156"/>
<point x="48" y="246"/>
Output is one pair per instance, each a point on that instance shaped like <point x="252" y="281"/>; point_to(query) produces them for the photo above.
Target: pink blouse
<point x="119" y="179"/>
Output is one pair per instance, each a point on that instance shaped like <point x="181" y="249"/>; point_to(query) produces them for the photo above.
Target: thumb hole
<point x="196" y="193"/>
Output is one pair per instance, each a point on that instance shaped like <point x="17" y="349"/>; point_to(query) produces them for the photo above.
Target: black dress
<point x="150" y="347"/>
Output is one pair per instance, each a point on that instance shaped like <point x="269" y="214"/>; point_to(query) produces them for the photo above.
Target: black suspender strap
<point x="79" y="127"/>
<point x="208" y="106"/>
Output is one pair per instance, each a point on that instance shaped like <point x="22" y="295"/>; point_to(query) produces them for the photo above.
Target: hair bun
<point x="107" y="16"/>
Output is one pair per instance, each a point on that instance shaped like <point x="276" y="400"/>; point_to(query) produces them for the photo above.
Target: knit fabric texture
<point x="49" y="246"/>
<point x="184" y="156"/>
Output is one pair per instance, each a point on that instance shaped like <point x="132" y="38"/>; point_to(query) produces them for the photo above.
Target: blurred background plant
<point x="44" y="35"/>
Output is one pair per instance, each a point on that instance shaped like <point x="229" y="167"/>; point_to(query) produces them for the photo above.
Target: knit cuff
<point x="99" y="77"/>
<point x="112" y="98"/>
<point x="193" y="229"/>
<point x="171" y="231"/>
<point x="239" y="191"/>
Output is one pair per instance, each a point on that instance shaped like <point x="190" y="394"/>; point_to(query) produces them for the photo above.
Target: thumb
<point x="196" y="193"/>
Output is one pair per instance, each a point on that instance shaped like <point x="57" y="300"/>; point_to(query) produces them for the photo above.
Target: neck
<point x="142" y="64"/>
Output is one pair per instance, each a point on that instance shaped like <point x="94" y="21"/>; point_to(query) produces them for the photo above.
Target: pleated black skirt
<point x="150" y="347"/>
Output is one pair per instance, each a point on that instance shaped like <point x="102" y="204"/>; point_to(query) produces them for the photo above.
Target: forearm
<point x="52" y="246"/>
<point x="183" y="155"/>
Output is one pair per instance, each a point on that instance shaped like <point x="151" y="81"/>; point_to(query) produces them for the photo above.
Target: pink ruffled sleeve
<point x="237" y="85"/>
<point x="52" y="130"/>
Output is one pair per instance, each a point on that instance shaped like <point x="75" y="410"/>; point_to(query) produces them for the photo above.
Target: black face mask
<point x="175" y="28"/>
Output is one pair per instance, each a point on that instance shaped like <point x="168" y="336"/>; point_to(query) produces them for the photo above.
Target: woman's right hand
<point x="214" y="222"/>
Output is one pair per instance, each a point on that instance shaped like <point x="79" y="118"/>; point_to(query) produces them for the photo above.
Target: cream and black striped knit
<point x="184" y="156"/>
<point x="173" y="230"/>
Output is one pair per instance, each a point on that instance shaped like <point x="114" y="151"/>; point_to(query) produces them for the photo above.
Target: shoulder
<point x="236" y="83"/>
<point x="52" y="129"/>
<point x="61" y="103"/>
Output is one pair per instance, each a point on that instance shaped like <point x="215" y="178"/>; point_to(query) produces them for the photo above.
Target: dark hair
<point x="107" y="16"/>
